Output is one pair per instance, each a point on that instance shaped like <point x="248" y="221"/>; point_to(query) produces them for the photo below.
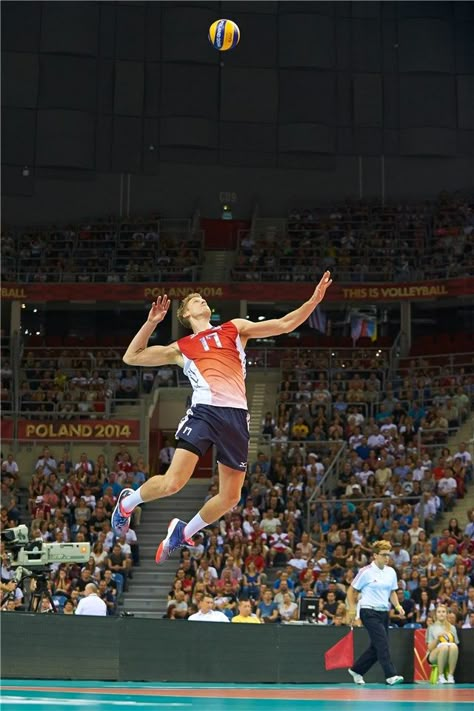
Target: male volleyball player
<point x="213" y="358"/>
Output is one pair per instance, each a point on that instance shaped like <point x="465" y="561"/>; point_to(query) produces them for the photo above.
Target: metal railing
<point x="392" y="249"/>
<point x="333" y="502"/>
<point x="394" y="357"/>
<point x="156" y="250"/>
<point x="464" y="359"/>
<point x="424" y="445"/>
<point x="327" y="482"/>
<point x="84" y="274"/>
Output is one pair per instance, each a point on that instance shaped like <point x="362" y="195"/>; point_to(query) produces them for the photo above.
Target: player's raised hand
<point x="320" y="290"/>
<point x="159" y="309"/>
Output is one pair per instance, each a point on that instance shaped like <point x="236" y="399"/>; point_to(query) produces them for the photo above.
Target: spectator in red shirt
<point x="257" y="558"/>
<point x="444" y="540"/>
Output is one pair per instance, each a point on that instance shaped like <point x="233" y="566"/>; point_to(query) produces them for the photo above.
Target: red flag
<point x="341" y="654"/>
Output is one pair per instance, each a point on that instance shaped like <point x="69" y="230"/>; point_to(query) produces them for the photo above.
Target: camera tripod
<point x="40" y="593"/>
<point x="38" y="589"/>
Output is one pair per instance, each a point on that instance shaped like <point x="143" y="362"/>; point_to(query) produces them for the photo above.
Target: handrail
<point x="422" y="446"/>
<point x="325" y="480"/>
<point x="189" y="273"/>
<point x="394" y="359"/>
<point x="16" y="351"/>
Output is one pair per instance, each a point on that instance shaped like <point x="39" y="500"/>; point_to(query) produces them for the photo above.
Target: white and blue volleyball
<point x="224" y="35"/>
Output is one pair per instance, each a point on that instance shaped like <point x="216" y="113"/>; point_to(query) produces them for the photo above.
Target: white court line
<point x="42" y="701"/>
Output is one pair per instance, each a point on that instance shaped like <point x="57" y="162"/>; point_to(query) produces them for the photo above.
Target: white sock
<point x="194" y="526"/>
<point x="130" y="501"/>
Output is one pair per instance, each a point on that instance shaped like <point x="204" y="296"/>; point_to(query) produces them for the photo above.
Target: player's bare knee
<point x="232" y="501"/>
<point x="173" y="485"/>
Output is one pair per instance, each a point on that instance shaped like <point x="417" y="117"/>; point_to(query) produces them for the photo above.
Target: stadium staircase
<point x="216" y="266"/>
<point x="151" y="583"/>
<point x="262" y="387"/>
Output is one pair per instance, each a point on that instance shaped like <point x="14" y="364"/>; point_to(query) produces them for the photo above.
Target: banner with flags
<point x="318" y="320"/>
<point x="363" y="328"/>
<point x="422" y="669"/>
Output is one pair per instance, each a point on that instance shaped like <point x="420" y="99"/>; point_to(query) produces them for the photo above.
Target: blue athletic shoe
<point x="120" y="520"/>
<point x="175" y="539"/>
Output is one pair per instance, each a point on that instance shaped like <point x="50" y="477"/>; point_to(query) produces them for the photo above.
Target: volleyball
<point x="446" y="637"/>
<point x="224" y="35"/>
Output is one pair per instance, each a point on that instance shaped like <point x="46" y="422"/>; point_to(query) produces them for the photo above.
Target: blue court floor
<point x="34" y="695"/>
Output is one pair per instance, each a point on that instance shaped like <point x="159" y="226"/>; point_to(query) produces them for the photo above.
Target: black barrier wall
<point x="132" y="649"/>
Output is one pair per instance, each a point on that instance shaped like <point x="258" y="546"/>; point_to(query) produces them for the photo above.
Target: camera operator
<point x="12" y="596"/>
<point x="8" y="587"/>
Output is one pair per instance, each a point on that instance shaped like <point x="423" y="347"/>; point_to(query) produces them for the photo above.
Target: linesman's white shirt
<point x="91" y="605"/>
<point x="375" y="586"/>
<point x="211" y="616"/>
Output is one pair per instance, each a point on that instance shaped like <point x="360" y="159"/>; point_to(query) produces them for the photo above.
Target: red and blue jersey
<point x="214" y="362"/>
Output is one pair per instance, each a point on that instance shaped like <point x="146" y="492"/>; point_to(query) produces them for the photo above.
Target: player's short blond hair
<point x="184" y="320"/>
<point x="381" y="547"/>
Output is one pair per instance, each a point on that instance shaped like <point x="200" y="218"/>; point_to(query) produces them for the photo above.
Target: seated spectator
<point x="442" y="645"/>
<point x="128" y="386"/>
<point x="447" y="489"/>
<point x="178" y="605"/>
<point x="226" y="600"/>
<point x="9" y="466"/>
<point x="267" y="610"/>
<point x="251" y="582"/>
<point x="424" y="608"/>
<point x="280" y="545"/>
<point x="245" y="614"/>
<point x="207" y="613"/>
<point x="287" y="609"/>
<point x="108" y="597"/>
<point x="119" y="562"/>
<point x="409" y="609"/>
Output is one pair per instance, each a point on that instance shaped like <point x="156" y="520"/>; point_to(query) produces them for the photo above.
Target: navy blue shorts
<point x="226" y="427"/>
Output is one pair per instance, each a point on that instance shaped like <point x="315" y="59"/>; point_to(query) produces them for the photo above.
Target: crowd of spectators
<point x="395" y="481"/>
<point x="362" y="241"/>
<point x="392" y="423"/>
<point x="263" y="553"/>
<point x="72" y="501"/>
<point x="106" y="251"/>
<point x="78" y="383"/>
<point x="286" y="563"/>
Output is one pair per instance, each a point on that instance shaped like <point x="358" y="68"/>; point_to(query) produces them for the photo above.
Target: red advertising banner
<point x="6" y="430"/>
<point x="59" y="430"/>
<point x="256" y="292"/>
<point x="422" y="669"/>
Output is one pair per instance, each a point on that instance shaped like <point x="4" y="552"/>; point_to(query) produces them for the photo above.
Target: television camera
<point x="32" y="559"/>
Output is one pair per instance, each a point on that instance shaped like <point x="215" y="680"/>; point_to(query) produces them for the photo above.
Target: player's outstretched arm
<point x="288" y="323"/>
<point x="138" y="353"/>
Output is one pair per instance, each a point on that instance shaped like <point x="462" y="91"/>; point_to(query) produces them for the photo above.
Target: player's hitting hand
<point x="320" y="290"/>
<point x="159" y="309"/>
